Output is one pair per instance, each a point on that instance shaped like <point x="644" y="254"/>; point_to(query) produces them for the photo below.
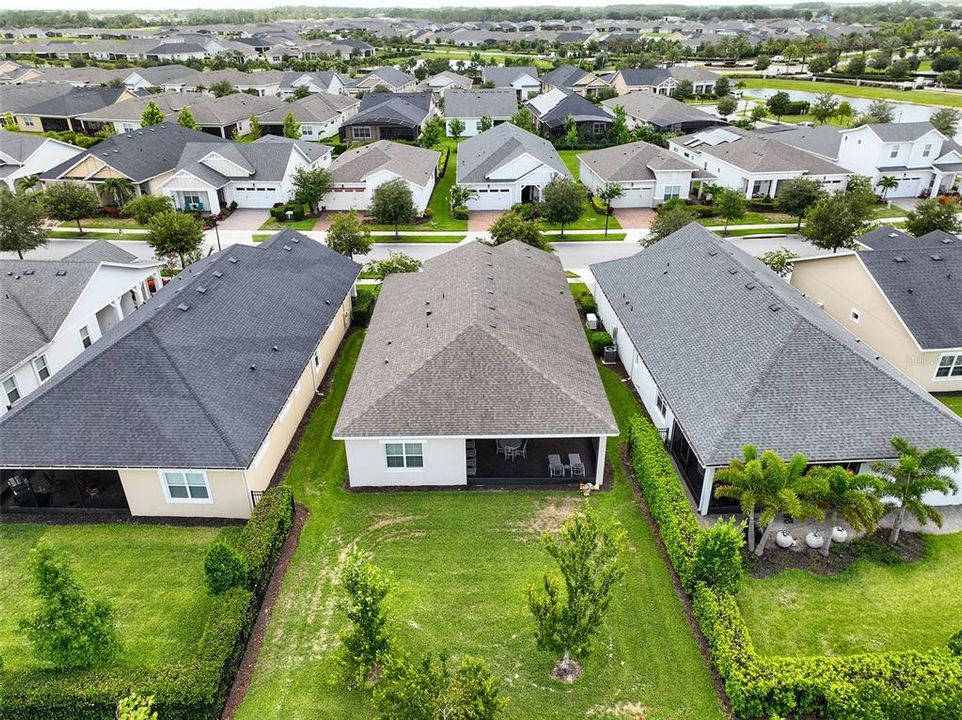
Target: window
<point x="660" y="404"/>
<point x="895" y="151"/>
<point x="362" y="132"/>
<point x="927" y="150"/>
<point x="317" y="360"/>
<point x="404" y="456"/>
<point x="11" y="390"/>
<point x="28" y="122"/>
<point x="950" y="366"/>
<point x="307" y="130"/>
<point x="598" y="128"/>
<point x="191" y="200"/>
<point x="40" y="367"/>
<point x="672" y="192"/>
<point x="85" y="336"/>
<point x="856" y="315"/>
<point x="185" y="486"/>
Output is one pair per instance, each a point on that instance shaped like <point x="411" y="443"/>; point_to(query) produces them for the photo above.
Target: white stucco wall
<point x="444" y="463"/>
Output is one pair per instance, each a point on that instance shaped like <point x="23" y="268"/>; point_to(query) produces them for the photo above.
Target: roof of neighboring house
<point x="391" y="76"/>
<point x="177" y="48"/>
<point x="39" y="294"/>
<point x="321" y="78"/>
<point x="637" y="161"/>
<point x="414" y="164"/>
<point x="19" y="146"/>
<point x="264" y="161"/>
<point x="239" y="78"/>
<point x="484" y="153"/>
<point x="898" y="132"/>
<point x="169" y="103"/>
<point x="824" y="140"/>
<point x="555" y="106"/>
<point x="221" y="363"/>
<point x="885" y="237"/>
<point x="755" y="152"/>
<point x="15" y="98"/>
<point x="139" y="154"/>
<point x="660" y="110"/>
<point x="406" y="109"/>
<point x="504" y="76"/>
<point x="696" y="73"/>
<point x="231" y="108"/>
<point x="483" y="341"/>
<point x="644" y="76"/>
<point x="76" y="102"/>
<point x="161" y="74"/>
<point x="445" y="79"/>
<point x="495" y="103"/>
<point x="317" y="107"/>
<point x="790" y="379"/>
<point x="564" y="76"/>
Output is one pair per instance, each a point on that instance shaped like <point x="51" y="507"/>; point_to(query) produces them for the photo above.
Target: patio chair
<point x="577" y="467"/>
<point x="555" y="467"/>
<point x="499" y="448"/>
<point x="522" y="451"/>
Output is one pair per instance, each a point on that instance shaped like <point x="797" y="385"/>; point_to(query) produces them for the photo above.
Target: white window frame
<point x="927" y="150"/>
<point x="85" y="338"/>
<point x="6" y="392"/>
<point x="404" y="454"/>
<point x="358" y="128"/>
<point x="667" y="194"/>
<point x="162" y="475"/>
<point x="895" y="151"/>
<point x="598" y="127"/>
<point x="955" y="367"/>
<point x="855" y="315"/>
<point x="42" y="359"/>
<point x="661" y="406"/>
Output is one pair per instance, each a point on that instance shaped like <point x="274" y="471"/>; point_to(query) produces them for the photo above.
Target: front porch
<point x="61" y="491"/>
<point x="531" y="467"/>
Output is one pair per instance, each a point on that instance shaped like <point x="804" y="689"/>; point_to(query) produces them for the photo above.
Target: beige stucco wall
<point x="145" y="495"/>
<point x="842" y="284"/>
<point x="22" y="123"/>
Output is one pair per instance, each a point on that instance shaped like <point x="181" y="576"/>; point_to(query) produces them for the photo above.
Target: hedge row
<point x="194" y="690"/>
<point x="880" y="686"/>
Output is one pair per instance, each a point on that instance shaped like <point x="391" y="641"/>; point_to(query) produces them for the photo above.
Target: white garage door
<point x="491" y="199"/>
<point x="908" y="187"/>
<point x="634" y="198"/>
<point x="257" y="196"/>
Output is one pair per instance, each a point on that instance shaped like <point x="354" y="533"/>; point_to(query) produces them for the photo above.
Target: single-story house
<point x="316" y="82"/>
<point x="903" y="298"/>
<point x="253" y="175"/>
<point x="735" y="355"/>
<point x="476" y="371"/>
<point x="125" y="116"/>
<point x="507" y="165"/>
<point x="390" y="78"/>
<point x="569" y="77"/>
<point x="358" y="172"/>
<point x="146" y="157"/>
<point x="648" y="174"/>
<point x="164" y="77"/>
<point x="225" y="116"/>
<point x="702" y="80"/>
<point x="52" y="310"/>
<point x="663" y="113"/>
<point x="24" y="155"/>
<point x="657" y="81"/>
<point x="469" y="106"/>
<point x="187" y="406"/>
<point x="443" y="83"/>
<point x="61" y="111"/>
<point x="755" y="163"/>
<point x="320" y="115"/>
<point x="552" y="110"/>
<point x="523" y="79"/>
<point x="388" y="116"/>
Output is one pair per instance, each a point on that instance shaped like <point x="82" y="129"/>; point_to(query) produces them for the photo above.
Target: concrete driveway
<point x="244" y="219"/>
<point x="634" y="218"/>
<point x="482" y="220"/>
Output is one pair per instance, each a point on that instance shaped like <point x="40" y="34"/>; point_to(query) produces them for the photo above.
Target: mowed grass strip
<point x="460" y="562"/>
<point x="153" y="575"/>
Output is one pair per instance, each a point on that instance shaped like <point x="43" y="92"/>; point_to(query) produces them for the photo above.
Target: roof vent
<point x="218" y="273"/>
<point x="899" y="259"/>
<point x="287" y="247"/>
<point x="295" y="240"/>
<point x="732" y="271"/>
<point x="877" y="357"/>
<point x="750" y="286"/>
<point x="183" y="308"/>
<point x="201" y="289"/>
<point x="947" y="241"/>
<point x="274" y="348"/>
<point x="712" y="253"/>
<point x="489" y="291"/>
<point x="61" y="273"/>
<point x="232" y="260"/>
<point x="253" y="366"/>
<point x="28" y="272"/>
<point x="493" y="324"/>
<point x="327" y="302"/>
<point x="937" y="258"/>
<point x="386" y="361"/>
<point x="491" y="307"/>
<point x="893" y="234"/>
<point x="774" y="307"/>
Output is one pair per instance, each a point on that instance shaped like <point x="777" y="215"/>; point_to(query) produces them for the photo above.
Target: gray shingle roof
<point x="161" y="74"/>
<point x="231" y="108"/>
<point x="133" y="109"/>
<point x="635" y="77"/>
<point x="482" y="341"/>
<point x="317" y="107"/>
<point x="195" y="364"/>
<point x="901" y="132"/>
<point x="636" y="161"/>
<point x="495" y="103"/>
<point x="504" y="76"/>
<point x="572" y="105"/>
<point x="564" y="76"/>
<point x="885" y="237"/>
<point x="140" y="154"/>
<point x="76" y="102"/>
<point x="414" y="164"/>
<point x="761" y="364"/>
<point x="20" y="146"/>
<point x="266" y="161"/>
<point x="824" y="140"/>
<point x="480" y="155"/>
<point x="15" y="98"/>
<point x="407" y="109"/>
<point x="660" y="110"/>
<point x="924" y="285"/>
<point x="391" y="76"/>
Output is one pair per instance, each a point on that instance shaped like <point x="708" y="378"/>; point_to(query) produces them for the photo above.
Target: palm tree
<point x="609" y="192"/>
<point x="743" y="481"/>
<point x="887" y="182"/>
<point x="852" y="497"/>
<point x="27" y="183"/>
<point x="787" y="490"/>
<point x="119" y="189"/>
<point x="914" y="474"/>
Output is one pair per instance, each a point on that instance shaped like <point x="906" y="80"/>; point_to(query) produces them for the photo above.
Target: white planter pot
<point x="814" y="540"/>
<point x="784" y="539"/>
<point x="839" y="535"/>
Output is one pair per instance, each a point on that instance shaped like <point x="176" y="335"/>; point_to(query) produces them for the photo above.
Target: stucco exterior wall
<point x="145" y="495"/>
<point x="444" y="463"/>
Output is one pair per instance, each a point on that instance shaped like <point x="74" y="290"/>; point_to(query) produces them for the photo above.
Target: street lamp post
<point x="216" y="233"/>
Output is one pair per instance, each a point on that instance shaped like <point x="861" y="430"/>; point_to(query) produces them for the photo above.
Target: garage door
<point x="491" y="199"/>
<point x="634" y="198"/>
<point x="257" y="196"/>
<point x="908" y="187"/>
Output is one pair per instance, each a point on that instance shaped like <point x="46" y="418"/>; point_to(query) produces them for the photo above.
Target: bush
<point x="701" y="210"/>
<point x="460" y="212"/>
<point x="599" y="340"/>
<point x="798" y="107"/>
<point x="144" y="207"/>
<point x="363" y="306"/>
<point x="718" y="555"/>
<point x="223" y="569"/>
<point x="955" y="644"/>
<point x="586" y="302"/>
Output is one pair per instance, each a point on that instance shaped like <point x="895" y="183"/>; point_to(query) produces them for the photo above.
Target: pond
<point x="904" y="112"/>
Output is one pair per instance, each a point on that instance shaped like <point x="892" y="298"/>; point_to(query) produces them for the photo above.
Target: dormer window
<point x="895" y="151"/>
<point x="927" y="150"/>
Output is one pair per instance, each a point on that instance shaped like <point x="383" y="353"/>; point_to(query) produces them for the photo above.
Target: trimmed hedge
<point x="879" y="686"/>
<point x="194" y="690"/>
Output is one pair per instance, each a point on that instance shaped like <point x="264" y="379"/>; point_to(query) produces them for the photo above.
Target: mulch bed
<point x="875" y="547"/>
<point x="242" y="680"/>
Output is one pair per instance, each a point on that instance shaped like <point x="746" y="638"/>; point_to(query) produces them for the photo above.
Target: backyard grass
<point x="868" y="608"/>
<point x="922" y="97"/>
<point x="459" y="563"/>
<point x="953" y="402"/>
<point x="152" y="574"/>
<point x="570" y="159"/>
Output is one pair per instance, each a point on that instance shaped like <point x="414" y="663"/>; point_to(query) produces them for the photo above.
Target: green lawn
<point x="418" y="238"/>
<point x="105" y="221"/>
<point x="306" y="224"/>
<point x="459" y="562"/>
<point x="868" y="608"/>
<point x="588" y="237"/>
<point x="923" y="97"/>
<point x="570" y="159"/>
<point x="750" y="218"/>
<point x="94" y="235"/>
<point x="153" y="575"/>
<point x="954" y="402"/>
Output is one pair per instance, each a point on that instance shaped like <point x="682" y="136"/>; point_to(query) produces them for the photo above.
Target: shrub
<point x="460" y="212"/>
<point x="955" y="644"/>
<point x="363" y="307"/>
<point x="297" y="211"/>
<point x="223" y="568"/>
<point x="718" y="555"/>
<point x="599" y="340"/>
<point x="586" y="302"/>
<point x="144" y="207"/>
